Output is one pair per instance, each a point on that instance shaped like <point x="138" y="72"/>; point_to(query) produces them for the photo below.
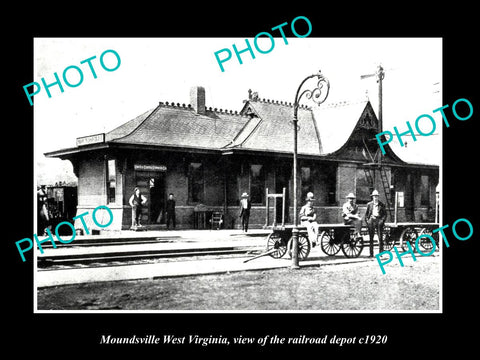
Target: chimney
<point x="197" y="99"/>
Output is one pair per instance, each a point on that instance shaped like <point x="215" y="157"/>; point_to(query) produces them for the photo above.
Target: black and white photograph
<point x="293" y="180"/>
<point x="192" y="180"/>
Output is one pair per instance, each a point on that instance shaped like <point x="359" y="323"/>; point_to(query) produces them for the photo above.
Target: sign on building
<point x="142" y="167"/>
<point x="92" y="139"/>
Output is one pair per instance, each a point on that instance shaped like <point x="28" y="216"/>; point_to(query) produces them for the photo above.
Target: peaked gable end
<point x="362" y="145"/>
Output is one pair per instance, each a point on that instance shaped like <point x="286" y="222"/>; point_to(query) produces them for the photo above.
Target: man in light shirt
<point x="351" y="215"/>
<point x="308" y="216"/>
<point x="245" y="205"/>
<point x="375" y="219"/>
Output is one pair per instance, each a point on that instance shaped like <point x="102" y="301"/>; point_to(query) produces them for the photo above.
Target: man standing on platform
<point x="375" y="219"/>
<point x="170" y="210"/>
<point x="136" y="201"/>
<point x="245" y="205"/>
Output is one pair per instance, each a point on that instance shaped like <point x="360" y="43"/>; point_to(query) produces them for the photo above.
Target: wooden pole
<point x="274" y="211"/>
<point x="380" y="75"/>
<point x="396" y="207"/>
<point x="266" y="208"/>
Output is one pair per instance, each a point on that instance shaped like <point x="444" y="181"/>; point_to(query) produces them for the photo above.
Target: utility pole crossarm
<point x="367" y="76"/>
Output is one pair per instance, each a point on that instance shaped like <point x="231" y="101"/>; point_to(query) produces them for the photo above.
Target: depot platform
<point x="128" y="247"/>
<point x="180" y="240"/>
<point x="180" y="235"/>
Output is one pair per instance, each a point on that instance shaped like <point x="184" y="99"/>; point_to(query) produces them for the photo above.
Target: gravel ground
<point x="359" y="286"/>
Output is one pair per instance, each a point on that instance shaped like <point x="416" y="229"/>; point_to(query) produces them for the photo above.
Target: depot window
<point x="329" y="179"/>
<point x="257" y="184"/>
<point x="363" y="186"/>
<point x="111" y="181"/>
<point x="306" y="180"/>
<point x="196" y="183"/>
<point x="425" y="190"/>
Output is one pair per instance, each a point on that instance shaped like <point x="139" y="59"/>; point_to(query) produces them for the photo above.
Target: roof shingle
<point x="274" y="131"/>
<point x="181" y="126"/>
<point x="265" y="126"/>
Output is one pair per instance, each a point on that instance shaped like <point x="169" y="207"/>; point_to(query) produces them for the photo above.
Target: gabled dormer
<point x="362" y="144"/>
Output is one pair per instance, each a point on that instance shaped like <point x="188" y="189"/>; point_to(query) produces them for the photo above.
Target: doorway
<point x="152" y="186"/>
<point x="410" y="198"/>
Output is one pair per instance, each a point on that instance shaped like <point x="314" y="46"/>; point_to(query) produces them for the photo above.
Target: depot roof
<point x="334" y="131"/>
<point x="180" y="126"/>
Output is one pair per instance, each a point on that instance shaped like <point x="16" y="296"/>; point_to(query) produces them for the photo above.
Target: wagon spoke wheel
<point x="409" y="235"/>
<point x="303" y="246"/>
<point x="275" y="241"/>
<point x="425" y="243"/>
<point x="328" y="244"/>
<point x="352" y="246"/>
<point x="388" y="239"/>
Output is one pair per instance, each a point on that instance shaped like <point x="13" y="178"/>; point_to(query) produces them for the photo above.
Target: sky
<point x="164" y="69"/>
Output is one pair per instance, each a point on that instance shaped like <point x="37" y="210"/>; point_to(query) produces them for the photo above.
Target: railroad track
<point x="129" y="257"/>
<point x="111" y="241"/>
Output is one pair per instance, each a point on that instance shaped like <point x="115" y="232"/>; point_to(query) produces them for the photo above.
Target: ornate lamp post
<point x="317" y="95"/>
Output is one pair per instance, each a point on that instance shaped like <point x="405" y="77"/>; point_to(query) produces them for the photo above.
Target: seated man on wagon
<point x="351" y="216"/>
<point x="308" y="217"/>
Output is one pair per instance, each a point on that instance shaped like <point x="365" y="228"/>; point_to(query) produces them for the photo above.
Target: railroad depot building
<point x="207" y="158"/>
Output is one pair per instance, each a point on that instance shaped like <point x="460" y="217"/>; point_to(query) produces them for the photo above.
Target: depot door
<point x="410" y="198"/>
<point x="152" y="186"/>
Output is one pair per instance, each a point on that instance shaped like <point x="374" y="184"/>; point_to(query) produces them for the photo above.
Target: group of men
<point x="138" y="200"/>
<point x="374" y="217"/>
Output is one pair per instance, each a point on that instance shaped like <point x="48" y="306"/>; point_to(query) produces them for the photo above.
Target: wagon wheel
<point x="303" y="246"/>
<point x="408" y="234"/>
<point x="275" y="241"/>
<point x="388" y="239"/>
<point x="328" y="244"/>
<point x="425" y="242"/>
<point x="351" y="246"/>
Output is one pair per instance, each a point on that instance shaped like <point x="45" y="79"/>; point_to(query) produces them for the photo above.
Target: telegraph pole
<point x="380" y="74"/>
<point x="380" y="77"/>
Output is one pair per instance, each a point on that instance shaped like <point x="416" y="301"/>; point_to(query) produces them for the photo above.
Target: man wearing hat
<point x="307" y="218"/>
<point x="136" y="201"/>
<point x="350" y="214"/>
<point x="245" y="205"/>
<point x="375" y="219"/>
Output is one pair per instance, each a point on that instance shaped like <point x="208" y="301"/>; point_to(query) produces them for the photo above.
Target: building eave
<point x="71" y="152"/>
<point x="170" y="147"/>
<point x="67" y="152"/>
